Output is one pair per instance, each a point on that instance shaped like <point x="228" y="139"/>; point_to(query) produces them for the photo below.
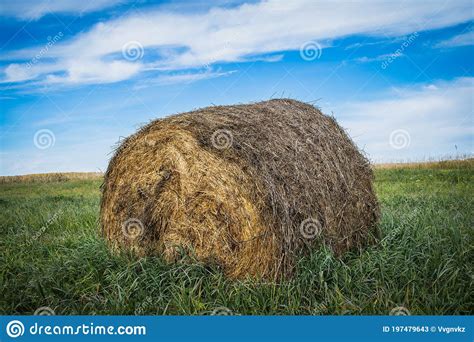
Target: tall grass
<point x="51" y="254"/>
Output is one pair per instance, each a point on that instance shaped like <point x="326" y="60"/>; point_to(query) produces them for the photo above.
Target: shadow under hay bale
<point x="249" y="187"/>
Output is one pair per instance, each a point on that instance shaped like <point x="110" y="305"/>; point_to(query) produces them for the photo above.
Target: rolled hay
<point x="251" y="188"/>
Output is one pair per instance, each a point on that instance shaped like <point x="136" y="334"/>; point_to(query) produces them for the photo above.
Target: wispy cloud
<point x="35" y="9"/>
<point x="373" y="43"/>
<point x="463" y="39"/>
<point x="178" y="41"/>
<point x="182" y="77"/>
<point x="379" y="58"/>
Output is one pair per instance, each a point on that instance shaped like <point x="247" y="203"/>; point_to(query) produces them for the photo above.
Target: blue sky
<point x="77" y="76"/>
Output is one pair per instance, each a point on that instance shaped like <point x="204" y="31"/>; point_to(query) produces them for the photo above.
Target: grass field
<point x="51" y="254"/>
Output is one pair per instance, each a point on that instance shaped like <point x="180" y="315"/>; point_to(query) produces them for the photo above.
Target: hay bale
<point x="250" y="187"/>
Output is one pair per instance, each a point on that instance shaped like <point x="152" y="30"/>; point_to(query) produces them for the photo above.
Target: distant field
<point x="51" y="177"/>
<point x="51" y="254"/>
<point x="68" y="176"/>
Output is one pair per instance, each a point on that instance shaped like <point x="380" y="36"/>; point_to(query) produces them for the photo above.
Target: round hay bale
<point x="249" y="187"/>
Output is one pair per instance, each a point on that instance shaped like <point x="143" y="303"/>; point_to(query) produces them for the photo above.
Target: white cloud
<point x="35" y="9"/>
<point x="463" y="39"/>
<point x="173" y="41"/>
<point x="22" y="72"/>
<point x="435" y="116"/>
<point x="96" y="71"/>
<point x="182" y="77"/>
<point x="383" y="57"/>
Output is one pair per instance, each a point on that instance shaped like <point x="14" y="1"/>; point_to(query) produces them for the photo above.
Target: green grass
<point x="51" y="254"/>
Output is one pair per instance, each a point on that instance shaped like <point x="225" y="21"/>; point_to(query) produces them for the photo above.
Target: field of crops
<point x="52" y="255"/>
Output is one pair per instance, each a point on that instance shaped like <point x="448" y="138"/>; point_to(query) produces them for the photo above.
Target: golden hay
<point x="249" y="187"/>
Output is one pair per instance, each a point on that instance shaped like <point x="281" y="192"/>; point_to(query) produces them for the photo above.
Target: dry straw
<point x="249" y="187"/>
